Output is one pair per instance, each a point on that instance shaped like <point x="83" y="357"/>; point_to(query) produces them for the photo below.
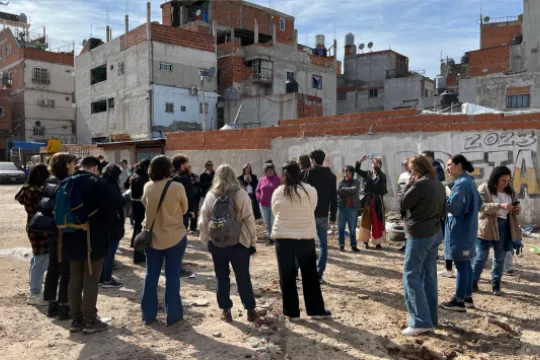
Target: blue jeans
<point x="268" y="218"/>
<point x="464" y="279"/>
<point x="322" y="233"/>
<point x="173" y="303"/>
<point x="420" y="281"/>
<point x="238" y="256"/>
<point x="108" y="262"/>
<point x="499" y="254"/>
<point x="348" y="216"/>
<point x="38" y="266"/>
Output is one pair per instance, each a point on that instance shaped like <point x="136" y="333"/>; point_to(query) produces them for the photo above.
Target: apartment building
<point x="264" y="75"/>
<point x="40" y="83"/>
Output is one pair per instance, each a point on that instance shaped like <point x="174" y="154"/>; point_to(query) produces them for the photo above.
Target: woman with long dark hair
<point x="249" y="182"/>
<point x="30" y="196"/>
<point x="294" y="232"/>
<point x="111" y="174"/>
<point x="423" y="206"/>
<point x="498" y="226"/>
<point x="138" y="180"/>
<point x="462" y="206"/>
<point x="61" y="166"/>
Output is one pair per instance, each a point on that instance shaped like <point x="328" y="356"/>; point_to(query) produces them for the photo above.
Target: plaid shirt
<point x="30" y="196"/>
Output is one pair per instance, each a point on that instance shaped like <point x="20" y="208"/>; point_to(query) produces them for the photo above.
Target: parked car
<point x="10" y="173"/>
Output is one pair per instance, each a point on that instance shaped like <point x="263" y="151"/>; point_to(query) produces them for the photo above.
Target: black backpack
<point x="225" y="231"/>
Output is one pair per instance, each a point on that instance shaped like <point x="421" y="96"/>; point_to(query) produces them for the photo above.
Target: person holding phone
<point x="498" y="227"/>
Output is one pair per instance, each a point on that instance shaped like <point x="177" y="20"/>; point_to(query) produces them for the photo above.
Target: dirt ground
<point x="363" y="291"/>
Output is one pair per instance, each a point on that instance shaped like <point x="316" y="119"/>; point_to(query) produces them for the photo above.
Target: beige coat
<point x="487" y="217"/>
<point x="244" y="215"/>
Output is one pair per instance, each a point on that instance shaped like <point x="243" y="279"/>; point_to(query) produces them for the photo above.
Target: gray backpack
<point x="225" y="231"/>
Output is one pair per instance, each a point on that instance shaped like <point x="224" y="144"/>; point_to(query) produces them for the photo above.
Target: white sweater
<point x="294" y="219"/>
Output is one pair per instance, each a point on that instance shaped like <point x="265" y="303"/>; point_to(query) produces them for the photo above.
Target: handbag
<point x="143" y="239"/>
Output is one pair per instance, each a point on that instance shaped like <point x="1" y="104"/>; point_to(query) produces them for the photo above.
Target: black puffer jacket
<point x="138" y="180"/>
<point x="46" y="205"/>
<point x="117" y="221"/>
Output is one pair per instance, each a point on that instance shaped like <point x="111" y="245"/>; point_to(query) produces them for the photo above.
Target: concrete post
<point x="181" y="16"/>
<point x="127" y="31"/>
<point x="107" y="34"/>
<point x="256" y="32"/>
<point x="295" y="38"/>
<point x="232" y="35"/>
<point x="335" y="49"/>
<point x="148" y="22"/>
<point x="274" y="39"/>
<point x="214" y="34"/>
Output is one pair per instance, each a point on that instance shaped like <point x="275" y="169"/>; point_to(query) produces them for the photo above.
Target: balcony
<point x="262" y="71"/>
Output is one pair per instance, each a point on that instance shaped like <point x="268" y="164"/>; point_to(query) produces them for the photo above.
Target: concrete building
<point x="40" y="83"/>
<point x="145" y="83"/>
<point x="380" y="80"/>
<point x="257" y="53"/>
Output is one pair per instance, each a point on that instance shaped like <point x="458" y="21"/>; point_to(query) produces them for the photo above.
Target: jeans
<point x="348" y="216"/>
<point x="108" y="263"/>
<point x="287" y="251"/>
<point x="83" y="290"/>
<point x="238" y="256"/>
<point x="482" y="247"/>
<point x="322" y="233"/>
<point x="38" y="266"/>
<point x="464" y="279"/>
<point x="420" y="281"/>
<point x="268" y="218"/>
<point x="173" y="263"/>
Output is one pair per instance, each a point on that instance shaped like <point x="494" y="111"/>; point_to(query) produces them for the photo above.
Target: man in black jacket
<point x="83" y="287"/>
<point x="430" y="155"/>
<point x="180" y="163"/>
<point x="324" y="181"/>
<point x="206" y="178"/>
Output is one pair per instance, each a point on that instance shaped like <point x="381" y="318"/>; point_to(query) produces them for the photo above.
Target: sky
<point x="419" y="29"/>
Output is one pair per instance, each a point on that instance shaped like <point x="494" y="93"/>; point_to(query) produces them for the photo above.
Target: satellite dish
<point x="486" y="19"/>
<point x="361" y="46"/>
<point x="370" y="45"/>
<point x="211" y="72"/>
<point x="198" y="12"/>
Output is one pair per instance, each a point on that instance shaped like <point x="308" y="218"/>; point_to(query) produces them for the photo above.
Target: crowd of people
<point x="77" y="211"/>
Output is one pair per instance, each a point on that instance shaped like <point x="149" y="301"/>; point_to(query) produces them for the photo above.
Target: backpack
<point x="225" y="231"/>
<point x="69" y="212"/>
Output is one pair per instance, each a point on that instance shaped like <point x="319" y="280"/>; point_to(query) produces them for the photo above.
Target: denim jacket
<point x="462" y="205"/>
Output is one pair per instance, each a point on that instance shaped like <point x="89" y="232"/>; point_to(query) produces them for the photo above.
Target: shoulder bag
<point x="143" y="240"/>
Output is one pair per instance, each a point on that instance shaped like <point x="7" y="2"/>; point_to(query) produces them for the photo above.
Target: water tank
<point x="448" y="98"/>
<point x="23" y="18"/>
<point x="319" y="41"/>
<point x="451" y="62"/>
<point x="517" y="40"/>
<point x="440" y="83"/>
<point x="465" y="59"/>
<point x="349" y="39"/>
<point x="291" y="86"/>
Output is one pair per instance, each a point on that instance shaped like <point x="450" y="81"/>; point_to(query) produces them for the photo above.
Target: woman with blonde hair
<point x="228" y="226"/>
<point x="424" y="205"/>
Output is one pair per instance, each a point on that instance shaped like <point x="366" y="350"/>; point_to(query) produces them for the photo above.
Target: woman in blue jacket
<point x="462" y="206"/>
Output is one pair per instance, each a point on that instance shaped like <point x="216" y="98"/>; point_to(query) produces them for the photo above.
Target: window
<point x="0" y="53"/>
<point x="98" y="74"/>
<point x="182" y="108"/>
<point x="290" y="76"/>
<point x="121" y="68"/>
<point x="316" y="82"/>
<point x="282" y="24"/>
<point x="8" y="49"/>
<point x="110" y="103"/>
<point x="169" y="108"/>
<point x="519" y="101"/>
<point x="205" y="108"/>
<point x="40" y="76"/>
<point x="50" y="103"/>
<point x="373" y="93"/>
<point x="7" y="79"/>
<point x="342" y="95"/>
<point x="165" y="67"/>
<point x="426" y="92"/>
<point x="38" y="131"/>
<point x="99" y="106"/>
<point x="262" y="70"/>
<point x="1" y="111"/>
<point x="112" y="67"/>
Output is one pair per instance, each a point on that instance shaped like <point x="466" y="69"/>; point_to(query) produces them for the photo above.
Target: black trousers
<point x="288" y="250"/>
<point x="193" y="221"/>
<point x="56" y="272"/>
<point x="138" y="212"/>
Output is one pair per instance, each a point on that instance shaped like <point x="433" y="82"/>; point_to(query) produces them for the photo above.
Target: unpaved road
<point x="363" y="291"/>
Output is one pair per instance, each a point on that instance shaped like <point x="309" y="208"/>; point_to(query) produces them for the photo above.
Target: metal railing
<point x="500" y="19"/>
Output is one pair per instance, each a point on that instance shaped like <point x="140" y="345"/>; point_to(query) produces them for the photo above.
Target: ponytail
<point x="465" y="164"/>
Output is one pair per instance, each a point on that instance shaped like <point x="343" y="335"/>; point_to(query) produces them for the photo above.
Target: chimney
<point x="127" y="31"/>
<point x="148" y="22"/>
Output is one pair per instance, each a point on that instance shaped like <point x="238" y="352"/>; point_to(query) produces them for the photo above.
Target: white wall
<point x="181" y="97"/>
<point x="396" y="90"/>
<point x="61" y="76"/>
<point x="262" y="111"/>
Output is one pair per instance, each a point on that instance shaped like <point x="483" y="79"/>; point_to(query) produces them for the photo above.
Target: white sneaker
<point x="447" y="274"/>
<point x="36" y="300"/>
<point x="415" y="331"/>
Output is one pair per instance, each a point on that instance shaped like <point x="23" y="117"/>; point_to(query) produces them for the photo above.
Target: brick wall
<point x="393" y="121"/>
<point x="309" y="106"/>
<point x="489" y="61"/>
<point x="166" y="14"/>
<point x="47" y="56"/>
<point x="525" y="90"/>
<point x="135" y="37"/>
<point x="232" y="69"/>
<point x="181" y="37"/>
<point x="496" y="35"/>
<point x="5" y="120"/>
<point x="322" y="61"/>
<point x="6" y="37"/>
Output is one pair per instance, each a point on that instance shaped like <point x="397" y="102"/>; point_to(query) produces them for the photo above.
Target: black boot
<point x="475" y="286"/>
<point x="53" y="309"/>
<point x="63" y="312"/>
<point x="497" y="288"/>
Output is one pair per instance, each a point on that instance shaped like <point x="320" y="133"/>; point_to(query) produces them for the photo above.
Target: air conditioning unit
<point x="194" y="91"/>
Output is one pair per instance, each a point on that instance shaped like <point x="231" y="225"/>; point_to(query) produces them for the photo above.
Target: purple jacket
<point x="265" y="189"/>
